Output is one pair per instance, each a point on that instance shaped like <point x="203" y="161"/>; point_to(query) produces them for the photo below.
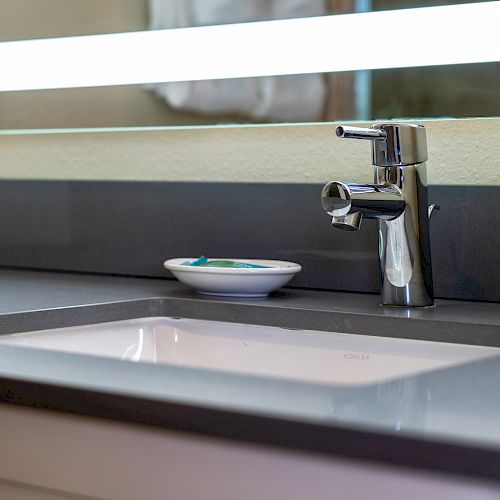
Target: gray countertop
<point x="446" y="420"/>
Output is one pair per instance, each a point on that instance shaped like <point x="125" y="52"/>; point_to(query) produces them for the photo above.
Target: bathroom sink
<point x="305" y="355"/>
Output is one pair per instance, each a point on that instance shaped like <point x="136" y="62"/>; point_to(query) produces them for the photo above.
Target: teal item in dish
<point x="232" y="264"/>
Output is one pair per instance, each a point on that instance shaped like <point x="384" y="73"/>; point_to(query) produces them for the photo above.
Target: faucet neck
<point x="398" y="175"/>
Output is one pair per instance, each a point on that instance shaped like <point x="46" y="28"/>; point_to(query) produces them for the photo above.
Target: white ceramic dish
<point x="234" y="282"/>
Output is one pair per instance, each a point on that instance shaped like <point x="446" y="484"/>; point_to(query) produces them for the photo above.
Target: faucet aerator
<point x="350" y="222"/>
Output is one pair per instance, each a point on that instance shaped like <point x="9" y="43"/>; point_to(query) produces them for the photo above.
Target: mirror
<point x="463" y="90"/>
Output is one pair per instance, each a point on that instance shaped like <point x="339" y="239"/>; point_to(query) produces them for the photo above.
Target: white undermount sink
<point x="305" y="355"/>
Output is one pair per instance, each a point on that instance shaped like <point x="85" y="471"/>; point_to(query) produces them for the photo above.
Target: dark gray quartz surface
<point x="445" y="420"/>
<point x="31" y="300"/>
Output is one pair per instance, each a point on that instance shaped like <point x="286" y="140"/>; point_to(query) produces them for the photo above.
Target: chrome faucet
<point x="398" y="200"/>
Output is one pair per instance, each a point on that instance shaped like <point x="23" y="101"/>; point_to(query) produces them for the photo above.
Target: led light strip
<point x="430" y="36"/>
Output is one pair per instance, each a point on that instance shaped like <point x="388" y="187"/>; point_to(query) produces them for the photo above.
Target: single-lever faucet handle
<point x="360" y="133"/>
<point x="393" y="144"/>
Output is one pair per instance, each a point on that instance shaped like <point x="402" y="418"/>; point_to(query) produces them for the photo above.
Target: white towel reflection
<point x="286" y="98"/>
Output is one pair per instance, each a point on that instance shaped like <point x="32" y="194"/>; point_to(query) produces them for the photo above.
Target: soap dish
<point x="234" y="282"/>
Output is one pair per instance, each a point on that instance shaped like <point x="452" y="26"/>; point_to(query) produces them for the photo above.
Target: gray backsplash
<point x="130" y="228"/>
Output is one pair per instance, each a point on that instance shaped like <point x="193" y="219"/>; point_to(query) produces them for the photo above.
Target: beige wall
<point x="460" y="152"/>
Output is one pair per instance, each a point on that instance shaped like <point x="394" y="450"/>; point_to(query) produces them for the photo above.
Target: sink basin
<point x="308" y="356"/>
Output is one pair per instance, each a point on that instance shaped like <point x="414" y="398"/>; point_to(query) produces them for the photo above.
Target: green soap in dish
<point x="204" y="262"/>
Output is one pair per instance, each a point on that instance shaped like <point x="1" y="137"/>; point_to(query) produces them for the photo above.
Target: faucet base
<point x="388" y="306"/>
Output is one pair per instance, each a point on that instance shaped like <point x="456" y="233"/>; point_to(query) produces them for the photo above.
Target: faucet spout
<point x="349" y="222"/>
<point x="371" y="201"/>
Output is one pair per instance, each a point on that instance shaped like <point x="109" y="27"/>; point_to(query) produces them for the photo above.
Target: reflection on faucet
<point x="398" y="201"/>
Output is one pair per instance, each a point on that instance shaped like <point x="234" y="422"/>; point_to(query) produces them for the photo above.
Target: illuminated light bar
<point x="430" y="36"/>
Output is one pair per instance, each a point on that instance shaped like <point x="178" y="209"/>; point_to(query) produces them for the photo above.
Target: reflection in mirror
<point x="461" y="90"/>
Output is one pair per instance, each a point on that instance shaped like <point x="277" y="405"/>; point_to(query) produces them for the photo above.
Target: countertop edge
<point x="295" y="316"/>
<point x="328" y="440"/>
